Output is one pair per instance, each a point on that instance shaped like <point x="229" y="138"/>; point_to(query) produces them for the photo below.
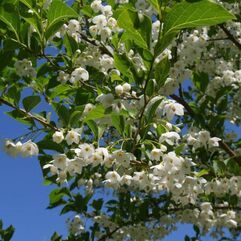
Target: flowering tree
<point x="132" y="149"/>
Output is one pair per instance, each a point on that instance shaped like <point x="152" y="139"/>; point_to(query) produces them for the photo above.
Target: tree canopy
<point x="144" y="96"/>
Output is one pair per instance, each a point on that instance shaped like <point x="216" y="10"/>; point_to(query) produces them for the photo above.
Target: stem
<point x="230" y="36"/>
<point x="222" y="144"/>
<point x="42" y="121"/>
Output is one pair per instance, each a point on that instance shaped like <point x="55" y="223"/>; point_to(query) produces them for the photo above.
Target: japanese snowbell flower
<point x="58" y="137"/>
<point x="72" y="137"/>
<point x="60" y="161"/>
<point x="79" y="74"/>
<point x="100" y="21"/>
<point x="106" y="99"/>
<point x="96" y="6"/>
<point x="170" y="138"/>
<point x="11" y="148"/>
<point x="29" y="148"/>
<point x="171" y="109"/>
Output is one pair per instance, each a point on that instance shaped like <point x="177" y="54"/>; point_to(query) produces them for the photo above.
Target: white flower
<point x="79" y="74"/>
<point x="93" y="30"/>
<point x="60" y="161"/>
<point x="96" y="6"/>
<point x="88" y="108"/>
<point x="73" y="26"/>
<point x="119" y="90"/>
<point x="156" y="154"/>
<point x="112" y="22"/>
<point x="170" y="138"/>
<point x="106" y="99"/>
<point x="105" y="33"/>
<point x="112" y="178"/>
<point x="72" y="137"/>
<point x="100" y="21"/>
<point x="58" y="137"/>
<point x="63" y="77"/>
<point x="85" y="150"/>
<point x="11" y="148"/>
<point x="107" y="10"/>
<point x="29" y="148"/>
<point x="214" y="142"/>
<point x="126" y="87"/>
<point x="126" y="180"/>
<point x="171" y="109"/>
<point x="24" y="68"/>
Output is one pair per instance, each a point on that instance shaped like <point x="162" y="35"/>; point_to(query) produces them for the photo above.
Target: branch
<point x="108" y="235"/>
<point x="230" y="36"/>
<point x="42" y="121"/>
<point x="222" y="144"/>
<point x="94" y="42"/>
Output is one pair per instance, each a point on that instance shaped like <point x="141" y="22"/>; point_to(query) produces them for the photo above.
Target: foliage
<point x="124" y="119"/>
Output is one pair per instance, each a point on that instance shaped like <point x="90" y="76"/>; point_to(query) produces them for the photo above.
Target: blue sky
<point x="24" y="198"/>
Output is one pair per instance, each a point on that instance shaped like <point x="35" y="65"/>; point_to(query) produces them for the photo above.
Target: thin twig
<point x="29" y="115"/>
<point x="230" y="36"/>
<point x="222" y="144"/>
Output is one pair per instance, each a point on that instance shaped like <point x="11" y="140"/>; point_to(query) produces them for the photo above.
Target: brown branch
<point x="222" y="144"/>
<point x="230" y="36"/>
<point x="108" y="235"/>
<point x="42" y="121"/>
<point x="184" y="103"/>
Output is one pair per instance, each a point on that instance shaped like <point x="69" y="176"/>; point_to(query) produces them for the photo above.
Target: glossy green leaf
<point x="21" y="117"/>
<point x="127" y="20"/>
<point x="96" y="113"/>
<point x="161" y="72"/>
<point x="11" y="19"/>
<point x="94" y="128"/>
<point x="30" y="102"/>
<point x="63" y="112"/>
<point x="70" y="44"/>
<point x="190" y="15"/>
<point x="152" y="107"/>
<point x="58" y="13"/>
<point x="123" y="64"/>
<point x="118" y="122"/>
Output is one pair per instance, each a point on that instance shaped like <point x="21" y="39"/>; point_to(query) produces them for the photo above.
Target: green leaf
<point x="56" y="197"/>
<point x="57" y="14"/>
<point x="60" y="91"/>
<point x="190" y="15"/>
<point x="197" y="14"/>
<point x="200" y="80"/>
<point x="97" y="113"/>
<point x="155" y="5"/>
<point x="94" y="128"/>
<point x="150" y="88"/>
<point x="30" y="102"/>
<point x="123" y="64"/>
<point x="201" y="173"/>
<point x="97" y="204"/>
<point x="20" y="116"/>
<point x="161" y="72"/>
<point x="70" y="44"/>
<point x="29" y="4"/>
<point x="56" y="237"/>
<point x="11" y="19"/>
<point x="13" y="95"/>
<point x="49" y="145"/>
<point x="128" y="20"/>
<point x="118" y="122"/>
<point x="151" y="108"/>
<point x="63" y="112"/>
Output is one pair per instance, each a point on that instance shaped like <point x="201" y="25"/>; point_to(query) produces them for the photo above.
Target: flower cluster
<point x="24" y="68"/>
<point x="26" y="149"/>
